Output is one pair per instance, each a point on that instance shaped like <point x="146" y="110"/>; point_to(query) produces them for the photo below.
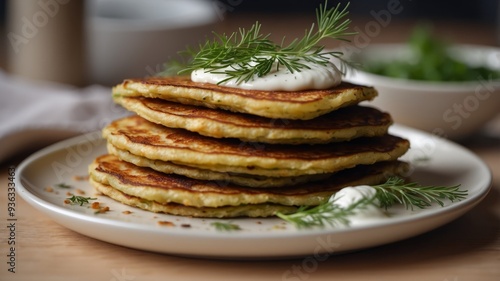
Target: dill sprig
<point x="63" y="185"/>
<point x="75" y="199"/>
<point x="225" y="226"/>
<point x="394" y="191"/>
<point x="327" y="213"/>
<point x="248" y="53"/>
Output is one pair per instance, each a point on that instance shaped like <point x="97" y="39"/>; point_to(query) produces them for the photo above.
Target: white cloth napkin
<point x="34" y="114"/>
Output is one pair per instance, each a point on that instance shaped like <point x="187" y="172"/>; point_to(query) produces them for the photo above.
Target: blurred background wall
<point x="457" y="21"/>
<point x="485" y="11"/>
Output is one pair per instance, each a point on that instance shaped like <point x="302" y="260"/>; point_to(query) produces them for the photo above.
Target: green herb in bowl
<point x="431" y="61"/>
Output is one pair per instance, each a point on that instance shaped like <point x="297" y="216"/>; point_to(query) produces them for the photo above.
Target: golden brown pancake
<point x="340" y="125"/>
<point x="153" y="186"/>
<point x="253" y="210"/>
<point x="306" y="104"/>
<point x="143" y="138"/>
<point x="203" y="174"/>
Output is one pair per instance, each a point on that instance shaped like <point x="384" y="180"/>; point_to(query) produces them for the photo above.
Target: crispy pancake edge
<point x="340" y="125"/>
<point x="271" y="104"/>
<point x="250" y="210"/>
<point x="204" y="174"/>
<point x="164" y="188"/>
<point x="157" y="142"/>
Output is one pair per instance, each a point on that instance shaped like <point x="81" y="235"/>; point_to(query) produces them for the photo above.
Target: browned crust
<point x="132" y="175"/>
<point x="343" y="118"/>
<point x="306" y="104"/>
<point x="249" y="210"/>
<point x="159" y="137"/>
<point x="304" y="96"/>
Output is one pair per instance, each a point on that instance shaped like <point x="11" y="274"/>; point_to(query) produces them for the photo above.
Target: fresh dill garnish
<point x="75" y="199"/>
<point x="248" y="53"/>
<point x="327" y="213"/>
<point x="394" y="191"/>
<point x="225" y="226"/>
<point x="63" y="185"/>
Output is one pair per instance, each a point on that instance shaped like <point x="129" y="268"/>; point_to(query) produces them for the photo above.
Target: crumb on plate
<point x="166" y="223"/>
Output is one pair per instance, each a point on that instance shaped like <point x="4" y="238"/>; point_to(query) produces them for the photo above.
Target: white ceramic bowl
<point x="450" y="109"/>
<point x="130" y="38"/>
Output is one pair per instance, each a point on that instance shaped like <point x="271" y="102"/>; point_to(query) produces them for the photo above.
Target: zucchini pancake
<point x="340" y="125"/>
<point x="304" y="104"/>
<point x="180" y="195"/>
<point x="221" y="144"/>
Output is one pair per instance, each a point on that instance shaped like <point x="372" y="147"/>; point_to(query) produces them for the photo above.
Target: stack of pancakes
<point x="205" y="150"/>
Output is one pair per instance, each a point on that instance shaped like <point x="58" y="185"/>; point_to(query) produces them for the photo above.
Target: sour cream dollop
<point x="313" y="78"/>
<point x="349" y="195"/>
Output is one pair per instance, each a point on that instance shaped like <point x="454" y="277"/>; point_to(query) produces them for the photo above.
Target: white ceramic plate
<point x="435" y="161"/>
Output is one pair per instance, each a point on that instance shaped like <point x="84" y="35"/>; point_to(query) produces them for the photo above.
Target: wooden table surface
<point x="465" y="249"/>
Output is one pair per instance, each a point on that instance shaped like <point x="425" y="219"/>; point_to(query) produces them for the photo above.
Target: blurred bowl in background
<point x="450" y="109"/>
<point x="130" y="38"/>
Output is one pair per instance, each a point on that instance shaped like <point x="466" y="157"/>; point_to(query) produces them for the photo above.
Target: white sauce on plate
<point x="348" y="195"/>
<point x="315" y="77"/>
